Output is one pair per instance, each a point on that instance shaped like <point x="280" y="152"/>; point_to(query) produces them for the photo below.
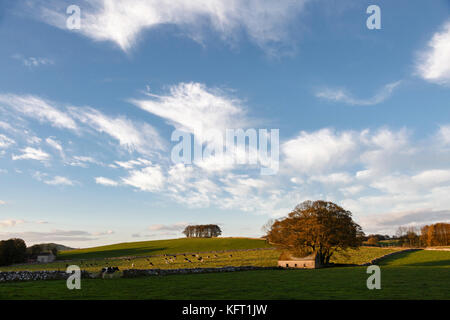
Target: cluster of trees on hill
<point x="202" y="231"/>
<point x="12" y="251"/>
<point x="437" y="234"/>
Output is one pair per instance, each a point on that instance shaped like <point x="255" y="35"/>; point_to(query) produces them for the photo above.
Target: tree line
<point x="437" y="234"/>
<point x="202" y="231"/>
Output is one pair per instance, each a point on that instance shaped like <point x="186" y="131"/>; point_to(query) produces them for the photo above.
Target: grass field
<point x="100" y="256"/>
<point x="412" y="275"/>
<point x="156" y="247"/>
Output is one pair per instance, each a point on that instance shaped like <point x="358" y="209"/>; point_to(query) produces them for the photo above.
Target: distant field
<point x="413" y="275"/>
<point x="422" y="258"/>
<point x="262" y="258"/>
<point x="156" y="247"/>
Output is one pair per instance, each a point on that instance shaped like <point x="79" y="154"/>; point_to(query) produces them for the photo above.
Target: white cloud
<point x="60" y="181"/>
<point x="122" y="22"/>
<point x="132" y="136"/>
<point x="434" y="62"/>
<point x="133" y="163"/>
<point x="194" y="108"/>
<point x="33" y="61"/>
<point x="318" y="150"/>
<point x="333" y="178"/>
<point x="444" y="134"/>
<point x="55" y="144"/>
<point x="170" y="227"/>
<point x="147" y="179"/>
<point x="51" y="236"/>
<point x="5" y="142"/>
<point x="32" y="154"/>
<point x="106" y="182"/>
<point x="2" y="202"/>
<point x="103" y="233"/>
<point x="37" y="108"/>
<point x="82" y="161"/>
<point x="341" y="95"/>
<point x="34" y="140"/>
<point x="10" y="223"/>
<point x="388" y="222"/>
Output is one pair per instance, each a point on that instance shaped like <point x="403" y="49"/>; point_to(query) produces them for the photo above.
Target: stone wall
<point x="132" y="273"/>
<point x="129" y="273"/>
<point x="37" y="275"/>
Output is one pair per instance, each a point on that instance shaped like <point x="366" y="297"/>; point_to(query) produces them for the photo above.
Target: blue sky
<point x="86" y="115"/>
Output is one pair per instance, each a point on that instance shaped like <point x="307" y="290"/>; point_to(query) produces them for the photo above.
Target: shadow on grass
<point x="438" y="263"/>
<point x="396" y="256"/>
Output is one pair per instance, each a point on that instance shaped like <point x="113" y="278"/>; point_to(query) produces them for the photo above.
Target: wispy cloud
<point x="434" y="62"/>
<point x="33" y="61"/>
<point x="341" y="95"/>
<point x="5" y="142"/>
<point x="390" y="221"/>
<point x="60" y="181"/>
<point x="10" y="222"/>
<point x="147" y="179"/>
<point x="54" y="236"/>
<point x="30" y="153"/>
<point x="193" y="107"/>
<point x="131" y="135"/>
<point x="106" y="182"/>
<point x="37" y="108"/>
<point x="82" y="161"/>
<point x="168" y="227"/>
<point x="265" y="22"/>
<point x="52" y="142"/>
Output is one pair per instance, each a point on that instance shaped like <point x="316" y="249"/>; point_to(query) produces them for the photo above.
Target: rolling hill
<point x="159" y="247"/>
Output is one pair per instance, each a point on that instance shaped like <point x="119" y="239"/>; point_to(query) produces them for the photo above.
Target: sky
<point x="87" y="114"/>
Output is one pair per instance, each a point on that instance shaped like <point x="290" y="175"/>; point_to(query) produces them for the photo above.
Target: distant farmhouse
<point x="45" y="257"/>
<point x="308" y="262"/>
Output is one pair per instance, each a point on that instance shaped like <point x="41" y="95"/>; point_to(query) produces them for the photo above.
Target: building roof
<point x="293" y="258"/>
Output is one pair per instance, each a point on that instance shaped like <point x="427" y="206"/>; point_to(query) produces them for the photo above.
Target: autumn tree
<point x="373" y="241"/>
<point x="316" y="227"/>
<point x="437" y="234"/>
